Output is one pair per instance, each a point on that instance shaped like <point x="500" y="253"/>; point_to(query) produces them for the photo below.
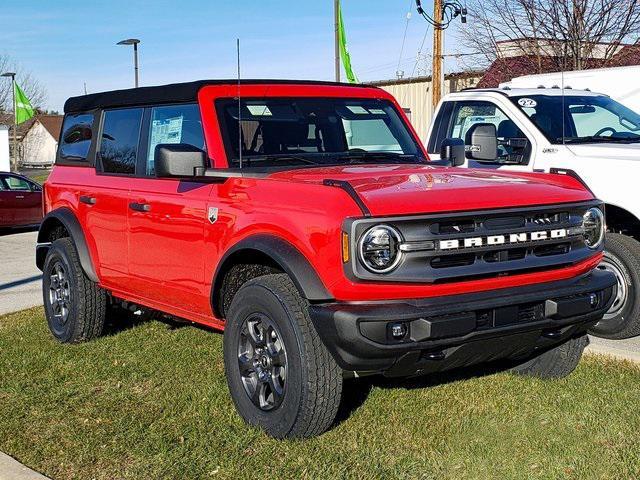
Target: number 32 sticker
<point x="527" y="102"/>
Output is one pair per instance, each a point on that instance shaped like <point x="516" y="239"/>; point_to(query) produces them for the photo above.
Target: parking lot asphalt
<point x="20" y="279"/>
<point x="21" y="287"/>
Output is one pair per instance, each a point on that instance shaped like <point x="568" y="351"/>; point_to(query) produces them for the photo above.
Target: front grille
<point x="484" y="244"/>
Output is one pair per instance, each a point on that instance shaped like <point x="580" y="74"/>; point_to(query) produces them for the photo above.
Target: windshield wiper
<point x="278" y="157"/>
<point x="382" y="157"/>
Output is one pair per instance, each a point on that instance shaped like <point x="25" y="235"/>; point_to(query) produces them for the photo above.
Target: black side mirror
<point x="178" y="160"/>
<point x="452" y="150"/>
<point x="482" y="142"/>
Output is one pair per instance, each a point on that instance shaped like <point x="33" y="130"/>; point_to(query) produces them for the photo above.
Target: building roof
<point x="52" y="123"/>
<point x="426" y="78"/>
<point x="172" y="93"/>
<point x="506" y="69"/>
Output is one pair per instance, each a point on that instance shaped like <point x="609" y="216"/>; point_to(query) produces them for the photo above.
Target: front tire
<point x="557" y="362"/>
<point x="622" y="257"/>
<point x="74" y="305"/>
<point x="280" y="375"/>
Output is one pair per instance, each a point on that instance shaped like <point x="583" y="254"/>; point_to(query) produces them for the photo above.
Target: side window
<point x="174" y="124"/>
<point x="513" y="145"/>
<point x="16" y="183"/>
<point x="119" y="142"/>
<point x="76" y="136"/>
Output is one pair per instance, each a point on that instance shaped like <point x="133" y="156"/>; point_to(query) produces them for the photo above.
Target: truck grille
<point x="461" y="246"/>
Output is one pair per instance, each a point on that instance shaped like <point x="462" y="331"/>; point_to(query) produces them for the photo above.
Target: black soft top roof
<point x="172" y="93"/>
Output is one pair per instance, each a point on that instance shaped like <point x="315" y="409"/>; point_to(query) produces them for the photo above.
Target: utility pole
<point x="134" y="42"/>
<point x="14" y="158"/>
<point x="436" y="72"/>
<point x="336" y="21"/>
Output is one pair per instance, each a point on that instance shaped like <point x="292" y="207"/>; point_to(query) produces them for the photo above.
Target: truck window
<point x="119" y="143"/>
<point x="513" y="145"/>
<point x="76" y="136"/>
<point x="174" y="124"/>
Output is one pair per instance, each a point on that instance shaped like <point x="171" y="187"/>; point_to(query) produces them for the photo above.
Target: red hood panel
<point x="410" y="189"/>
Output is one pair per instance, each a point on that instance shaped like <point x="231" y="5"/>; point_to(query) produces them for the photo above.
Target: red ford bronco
<point x="305" y="220"/>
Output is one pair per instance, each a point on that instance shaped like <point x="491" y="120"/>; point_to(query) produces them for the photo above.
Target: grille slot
<point x="549" y="250"/>
<point x="505" y="255"/>
<point x="451" y="228"/>
<point x="449" y="261"/>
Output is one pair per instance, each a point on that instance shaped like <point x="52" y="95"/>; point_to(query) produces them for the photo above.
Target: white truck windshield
<point x="581" y="119"/>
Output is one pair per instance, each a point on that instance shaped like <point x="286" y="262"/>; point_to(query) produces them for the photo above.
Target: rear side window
<point x="119" y="143"/>
<point x="75" y="140"/>
<point x="174" y="124"/>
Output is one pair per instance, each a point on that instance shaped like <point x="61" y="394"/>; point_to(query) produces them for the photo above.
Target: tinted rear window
<point x="119" y="143"/>
<point x="75" y="140"/>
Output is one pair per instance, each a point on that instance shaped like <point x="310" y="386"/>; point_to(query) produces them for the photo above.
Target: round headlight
<point x="379" y="248"/>
<point x="593" y="225"/>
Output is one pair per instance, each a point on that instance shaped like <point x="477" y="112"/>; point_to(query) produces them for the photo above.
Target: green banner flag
<point x="24" y="110"/>
<point x="344" y="53"/>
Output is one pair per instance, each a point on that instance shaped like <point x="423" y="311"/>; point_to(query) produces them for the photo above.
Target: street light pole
<point x="134" y="42"/>
<point x="14" y="158"/>
<point x="336" y="38"/>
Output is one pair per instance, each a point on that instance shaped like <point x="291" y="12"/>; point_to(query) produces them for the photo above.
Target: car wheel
<point x="74" y="305"/>
<point x="622" y="258"/>
<point x="280" y="375"/>
<point x="557" y="362"/>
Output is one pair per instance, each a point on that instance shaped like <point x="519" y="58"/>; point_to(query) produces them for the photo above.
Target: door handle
<point x="19" y="196"/>
<point x="140" y="207"/>
<point x="88" y="200"/>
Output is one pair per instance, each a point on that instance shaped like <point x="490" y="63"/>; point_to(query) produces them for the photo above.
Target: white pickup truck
<point x="575" y="132"/>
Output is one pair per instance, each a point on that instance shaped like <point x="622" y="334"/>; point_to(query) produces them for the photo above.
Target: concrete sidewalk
<point x="20" y="285"/>
<point x="621" y="349"/>
<point x="11" y="469"/>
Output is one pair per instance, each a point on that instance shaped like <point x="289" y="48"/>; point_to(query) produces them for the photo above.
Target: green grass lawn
<point x="39" y="176"/>
<point x="151" y="402"/>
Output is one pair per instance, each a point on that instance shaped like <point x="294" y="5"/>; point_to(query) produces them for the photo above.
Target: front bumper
<point x="461" y="330"/>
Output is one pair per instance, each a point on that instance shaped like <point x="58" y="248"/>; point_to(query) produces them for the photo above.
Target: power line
<point x="404" y="38"/>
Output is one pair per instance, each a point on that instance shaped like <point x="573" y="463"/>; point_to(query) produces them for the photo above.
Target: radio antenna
<point x="564" y="133"/>
<point x="239" y="107"/>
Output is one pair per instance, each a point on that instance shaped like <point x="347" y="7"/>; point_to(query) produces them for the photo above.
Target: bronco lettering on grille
<point x="504" y="239"/>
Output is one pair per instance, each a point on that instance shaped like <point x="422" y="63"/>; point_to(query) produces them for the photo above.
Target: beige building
<point x="414" y="95"/>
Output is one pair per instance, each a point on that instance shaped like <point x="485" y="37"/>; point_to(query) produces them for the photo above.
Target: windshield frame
<point x="345" y="158"/>
<point x="565" y="136"/>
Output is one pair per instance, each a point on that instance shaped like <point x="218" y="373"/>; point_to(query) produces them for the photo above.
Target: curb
<point x="613" y="352"/>
<point x="11" y="469"/>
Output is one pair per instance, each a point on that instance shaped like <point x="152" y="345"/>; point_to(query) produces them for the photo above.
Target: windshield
<point x="587" y="119"/>
<point x="314" y="131"/>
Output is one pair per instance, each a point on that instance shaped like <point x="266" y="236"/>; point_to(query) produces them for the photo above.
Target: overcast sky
<point x="65" y="43"/>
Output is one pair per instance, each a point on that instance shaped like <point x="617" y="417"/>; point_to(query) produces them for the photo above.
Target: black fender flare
<point x="285" y="255"/>
<point x="68" y="219"/>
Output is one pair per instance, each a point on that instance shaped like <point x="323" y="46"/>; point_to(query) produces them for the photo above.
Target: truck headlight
<point x="593" y="225"/>
<point x="379" y="248"/>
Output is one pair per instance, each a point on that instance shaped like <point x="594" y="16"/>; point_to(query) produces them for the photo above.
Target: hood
<point x="411" y="189"/>
<point x="609" y="151"/>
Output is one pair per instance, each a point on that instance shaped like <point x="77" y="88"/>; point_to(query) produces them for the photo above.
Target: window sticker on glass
<point x="357" y="109"/>
<point x="259" y="110"/>
<point x="527" y="102"/>
<point x="376" y="111"/>
<point x="166" y="131"/>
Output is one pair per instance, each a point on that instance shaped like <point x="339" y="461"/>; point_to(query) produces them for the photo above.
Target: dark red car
<point x="306" y="221"/>
<point x="20" y="201"/>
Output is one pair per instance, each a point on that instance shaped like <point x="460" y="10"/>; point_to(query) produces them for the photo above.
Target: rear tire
<point x="74" y="305"/>
<point x="622" y="257"/>
<point x="280" y="375"/>
<point x="558" y="362"/>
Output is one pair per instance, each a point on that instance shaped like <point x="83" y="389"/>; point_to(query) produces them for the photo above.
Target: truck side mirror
<point x="452" y="150"/>
<point x="178" y="160"/>
<point x="482" y="142"/>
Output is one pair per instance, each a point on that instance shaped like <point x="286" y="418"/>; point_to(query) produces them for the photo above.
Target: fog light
<point x="398" y="330"/>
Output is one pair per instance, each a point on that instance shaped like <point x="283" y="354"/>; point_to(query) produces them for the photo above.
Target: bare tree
<point x="550" y="34"/>
<point x="32" y="88"/>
